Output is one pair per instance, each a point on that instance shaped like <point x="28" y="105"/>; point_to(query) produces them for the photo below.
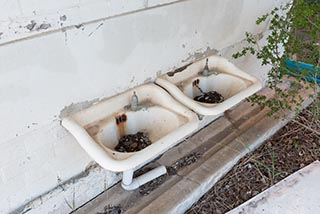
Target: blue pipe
<point x="313" y="72"/>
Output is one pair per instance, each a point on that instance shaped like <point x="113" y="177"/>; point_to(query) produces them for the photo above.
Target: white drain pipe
<point x="130" y="183"/>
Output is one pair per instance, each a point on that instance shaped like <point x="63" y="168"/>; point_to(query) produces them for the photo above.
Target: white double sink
<point x="167" y="116"/>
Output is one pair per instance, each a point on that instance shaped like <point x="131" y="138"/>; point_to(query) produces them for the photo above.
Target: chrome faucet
<point x="134" y="105"/>
<point x="206" y="72"/>
<point x="134" y="102"/>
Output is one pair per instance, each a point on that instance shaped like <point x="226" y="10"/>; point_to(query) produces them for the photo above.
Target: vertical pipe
<point x="127" y="177"/>
<point x="142" y="179"/>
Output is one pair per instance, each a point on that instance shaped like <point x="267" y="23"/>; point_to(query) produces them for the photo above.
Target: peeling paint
<point x="76" y="107"/>
<point x="201" y="54"/>
<point x="31" y="26"/>
<point x="44" y="26"/>
<point x="148" y="80"/>
<point x="63" y="18"/>
<point x="78" y="26"/>
<point x="58" y="18"/>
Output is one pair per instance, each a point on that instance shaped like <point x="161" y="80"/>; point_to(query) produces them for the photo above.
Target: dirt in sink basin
<point x="209" y="97"/>
<point x="133" y="142"/>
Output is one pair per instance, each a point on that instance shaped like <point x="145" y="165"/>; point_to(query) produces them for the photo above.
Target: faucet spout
<point x="134" y="105"/>
<point x="206" y="71"/>
<point x="134" y="102"/>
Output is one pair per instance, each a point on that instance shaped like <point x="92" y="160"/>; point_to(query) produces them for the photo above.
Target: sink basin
<point x="99" y="128"/>
<point x="229" y="81"/>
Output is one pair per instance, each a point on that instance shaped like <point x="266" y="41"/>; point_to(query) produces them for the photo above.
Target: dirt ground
<point x="291" y="148"/>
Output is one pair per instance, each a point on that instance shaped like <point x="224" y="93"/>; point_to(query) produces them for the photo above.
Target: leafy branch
<point x="293" y="34"/>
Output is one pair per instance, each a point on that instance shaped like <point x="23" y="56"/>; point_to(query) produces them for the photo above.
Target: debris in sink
<point x="109" y="209"/>
<point x="209" y="97"/>
<point x="133" y="142"/>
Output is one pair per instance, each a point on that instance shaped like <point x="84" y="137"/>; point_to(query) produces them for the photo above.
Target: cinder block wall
<point x="58" y="57"/>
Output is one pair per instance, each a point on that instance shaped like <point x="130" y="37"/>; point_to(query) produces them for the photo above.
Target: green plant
<point x="72" y="205"/>
<point x="271" y="170"/>
<point x="294" y="32"/>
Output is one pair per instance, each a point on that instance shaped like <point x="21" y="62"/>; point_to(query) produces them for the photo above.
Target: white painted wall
<point x="47" y="73"/>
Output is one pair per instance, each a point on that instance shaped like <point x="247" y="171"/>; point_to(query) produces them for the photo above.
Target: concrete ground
<point x="220" y="145"/>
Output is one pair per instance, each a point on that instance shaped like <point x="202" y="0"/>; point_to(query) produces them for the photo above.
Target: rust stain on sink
<point x="121" y="124"/>
<point x="195" y="82"/>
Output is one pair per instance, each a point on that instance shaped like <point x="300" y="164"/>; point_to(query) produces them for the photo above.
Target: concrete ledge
<point x="297" y="193"/>
<point x="250" y="135"/>
<point x="205" y="176"/>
